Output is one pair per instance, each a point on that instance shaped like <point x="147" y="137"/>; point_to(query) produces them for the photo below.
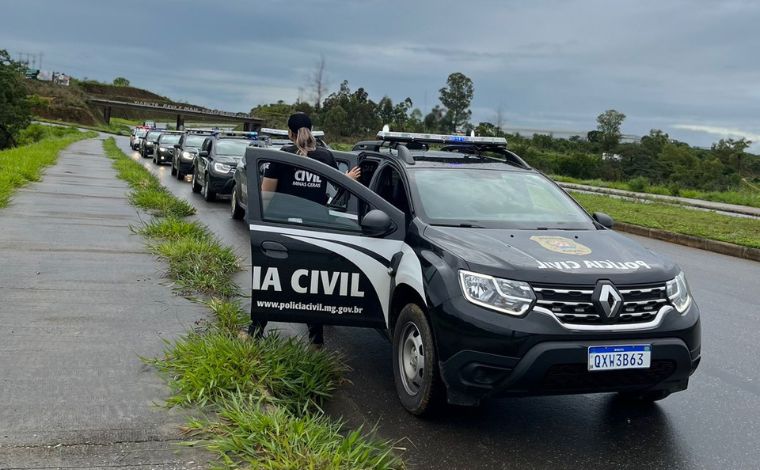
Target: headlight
<point x="222" y="167"/>
<point x="187" y="155"/>
<point x="162" y="149"/>
<point x="503" y="295"/>
<point x="678" y="293"/>
<point x="149" y="144"/>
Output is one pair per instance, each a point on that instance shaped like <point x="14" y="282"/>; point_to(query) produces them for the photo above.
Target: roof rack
<point x="284" y="132"/>
<point x="388" y="136"/>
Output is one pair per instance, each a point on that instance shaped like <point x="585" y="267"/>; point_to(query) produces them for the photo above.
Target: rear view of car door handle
<point x="274" y="250"/>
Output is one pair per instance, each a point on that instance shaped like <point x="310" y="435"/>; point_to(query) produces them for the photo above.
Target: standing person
<point x="281" y="179"/>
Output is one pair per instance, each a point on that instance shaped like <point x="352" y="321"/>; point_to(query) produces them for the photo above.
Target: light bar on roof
<point x="438" y="138"/>
<point x="284" y="132"/>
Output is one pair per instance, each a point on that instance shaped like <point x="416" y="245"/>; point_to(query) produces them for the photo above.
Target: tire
<point x="196" y="187"/>
<point x="237" y="212"/>
<point x="208" y="194"/>
<point x="415" y="363"/>
<point x="650" y="396"/>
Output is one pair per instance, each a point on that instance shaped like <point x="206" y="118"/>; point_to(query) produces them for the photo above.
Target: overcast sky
<point x="688" y="67"/>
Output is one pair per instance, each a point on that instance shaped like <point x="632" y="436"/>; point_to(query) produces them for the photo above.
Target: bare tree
<point x="500" y="116"/>
<point x="318" y="81"/>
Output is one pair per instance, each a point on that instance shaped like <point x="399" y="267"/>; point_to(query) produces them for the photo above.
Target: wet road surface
<point x="714" y="424"/>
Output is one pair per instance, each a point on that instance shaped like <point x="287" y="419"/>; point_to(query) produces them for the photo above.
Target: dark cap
<point x="297" y="121"/>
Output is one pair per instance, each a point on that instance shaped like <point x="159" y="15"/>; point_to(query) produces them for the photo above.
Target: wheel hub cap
<point x="411" y="359"/>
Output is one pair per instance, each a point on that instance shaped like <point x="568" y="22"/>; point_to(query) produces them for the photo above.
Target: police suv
<point x="488" y="277"/>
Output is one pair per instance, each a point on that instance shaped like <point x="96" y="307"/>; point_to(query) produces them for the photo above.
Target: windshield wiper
<point x="464" y="225"/>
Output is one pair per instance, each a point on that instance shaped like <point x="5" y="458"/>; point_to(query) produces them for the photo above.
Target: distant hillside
<point x="70" y="103"/>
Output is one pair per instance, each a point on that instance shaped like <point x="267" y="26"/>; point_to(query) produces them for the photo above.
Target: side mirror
<point x="376" y="223"/>
<point x="176" y="146"/>
<point x="203" y="153"/>
<point x="603" y="219"/>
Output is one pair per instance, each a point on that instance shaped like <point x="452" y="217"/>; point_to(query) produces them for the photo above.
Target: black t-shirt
<point x="302" y="183"/>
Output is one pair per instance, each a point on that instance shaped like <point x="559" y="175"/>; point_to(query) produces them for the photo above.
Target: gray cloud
<point x="549" y="63"/>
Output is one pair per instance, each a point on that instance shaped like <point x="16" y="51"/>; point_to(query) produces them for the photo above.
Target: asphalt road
<point x="714" y="424"/>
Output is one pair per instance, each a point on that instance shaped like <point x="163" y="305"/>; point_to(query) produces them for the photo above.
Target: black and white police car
<point x="488" y="277"/>
<point x="186" y="150"/>
<point x="215" y="163"/>
<point x="163" y="149"/>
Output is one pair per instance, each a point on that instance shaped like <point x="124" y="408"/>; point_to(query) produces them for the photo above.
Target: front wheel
<point x="237" y="212"/>
<point x="208" y="194"/>
<point x="196" y="187"/>
<point x="415" y="363"/>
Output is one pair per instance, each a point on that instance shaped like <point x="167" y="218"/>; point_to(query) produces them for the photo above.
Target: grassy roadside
<point x="705" y="224"/>
<point x="741" y="198"/>
<point x="21" y="165"/>
<point x="262" y="398"/>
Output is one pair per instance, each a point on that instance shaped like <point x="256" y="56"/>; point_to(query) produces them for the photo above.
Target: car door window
<point x="307" y="199"/>
<point x="390" y="187"/>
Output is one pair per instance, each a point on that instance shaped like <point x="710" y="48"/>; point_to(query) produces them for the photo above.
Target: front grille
<point x="572" y="304"/>
<point x="577" y="377"/>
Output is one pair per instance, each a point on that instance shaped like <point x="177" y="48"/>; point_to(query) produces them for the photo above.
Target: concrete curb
<point x="715" y="246"/>
<point x="710" y="205"/>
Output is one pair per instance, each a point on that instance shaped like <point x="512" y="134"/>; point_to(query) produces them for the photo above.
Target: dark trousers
<point x="316" y="334"/>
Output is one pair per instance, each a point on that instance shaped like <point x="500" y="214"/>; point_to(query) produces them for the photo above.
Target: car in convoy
<point x="186" y="150"/>
<point x="214" y="165"/>
<point x="276" y="139"/>
<point x="138" y="133"/>
<point x="148" y="143"/>
<point x="489" y="279"/>
<point x="163" y="150"/>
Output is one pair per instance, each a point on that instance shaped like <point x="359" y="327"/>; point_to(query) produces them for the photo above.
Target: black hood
<point x="554" y="256"/>
<point x="228" y="159"/>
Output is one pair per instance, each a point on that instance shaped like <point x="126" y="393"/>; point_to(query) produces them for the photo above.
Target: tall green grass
<point x="148" y="193"/>
<point x="21" y="165"/>
<point x="250" y="435"/>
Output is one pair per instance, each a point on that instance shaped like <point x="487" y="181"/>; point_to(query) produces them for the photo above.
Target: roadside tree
<point x="15" y="113"/>
<point x="456" y="96"/>
<point x="120" y="81"/>
<point x="608" y="124"/>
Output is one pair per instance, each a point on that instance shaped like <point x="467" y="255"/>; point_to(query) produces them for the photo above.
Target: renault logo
<point x="607" y="300"/>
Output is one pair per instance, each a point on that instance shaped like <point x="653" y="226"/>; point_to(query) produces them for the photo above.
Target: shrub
<point x="638" y="184"/>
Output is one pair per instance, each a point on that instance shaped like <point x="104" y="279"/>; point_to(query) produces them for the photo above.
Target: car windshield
<point x="152" y="135"/>
<point x="194" y="140"/>
<point x="140" y="133"/>
<point x="495" y="199"/>
<point x="232" y="147"/>
<point x="169" y="139"/>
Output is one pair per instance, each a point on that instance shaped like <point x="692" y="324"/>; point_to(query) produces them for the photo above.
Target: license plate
<point x="633" y="356"/>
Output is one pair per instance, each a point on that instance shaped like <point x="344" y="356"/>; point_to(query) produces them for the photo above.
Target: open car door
<point x="326" y="262"/>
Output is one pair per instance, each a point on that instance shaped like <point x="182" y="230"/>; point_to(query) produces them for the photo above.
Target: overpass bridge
<point x="181" y="112"/>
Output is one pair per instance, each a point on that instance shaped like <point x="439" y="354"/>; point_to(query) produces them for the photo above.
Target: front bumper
<point x="164" y="157"/>
<point x="221" y="184"/>
<point x="487" y="354"/>
<point x="185" y="166"/>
